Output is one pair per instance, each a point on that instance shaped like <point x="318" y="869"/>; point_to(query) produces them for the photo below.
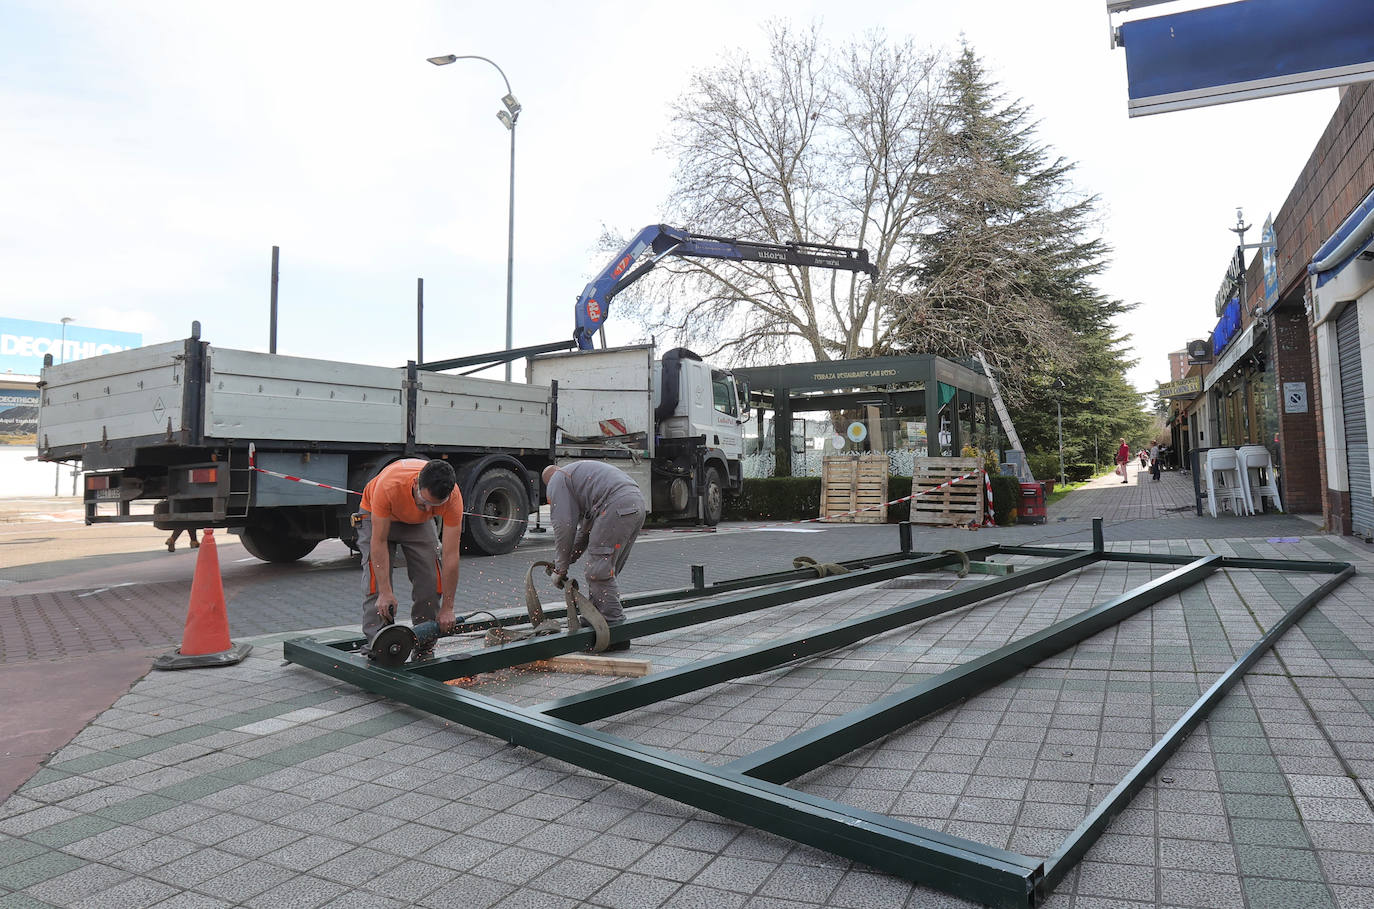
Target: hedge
<point x="775" y="499"/>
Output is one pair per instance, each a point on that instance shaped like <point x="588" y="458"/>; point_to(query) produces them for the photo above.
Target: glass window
<point x="723" y="393"/>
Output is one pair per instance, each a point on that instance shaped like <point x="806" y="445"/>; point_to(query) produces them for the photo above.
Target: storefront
<point x="906" y="406"/>
<point x="1241" y="387"/>
<point x="1343" y="315"/>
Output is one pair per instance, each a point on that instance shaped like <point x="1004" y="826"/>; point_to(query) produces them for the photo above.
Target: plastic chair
<point x="1257" y="469"/>
<point x="1225" y="487"/>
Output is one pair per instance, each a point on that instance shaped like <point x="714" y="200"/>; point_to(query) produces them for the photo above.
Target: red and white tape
<point x="252" y="465"/>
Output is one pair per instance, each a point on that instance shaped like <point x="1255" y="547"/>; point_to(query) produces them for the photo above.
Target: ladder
<point x="1002" y="413"/>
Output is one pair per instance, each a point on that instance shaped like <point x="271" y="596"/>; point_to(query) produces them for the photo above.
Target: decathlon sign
<point x="23" y="344"/>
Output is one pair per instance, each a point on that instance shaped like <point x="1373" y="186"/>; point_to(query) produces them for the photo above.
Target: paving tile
<point x="1278" y="862"/>
<point x="76" y="885"/>
<point x="302" y="892"/>
<point x="694" y="897"/>
<point x="1262" y="893"/>
<point x="1199" y="889"/>
<point x="134" y="893"/>
<point x="469" y="891"/>
<point x="736" y="874"/>
<point x="38" y="868"/>
<point x="635" y="891"/>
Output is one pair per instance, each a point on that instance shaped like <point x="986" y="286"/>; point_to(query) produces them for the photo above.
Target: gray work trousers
<point x="608" y="548"/>
<point x="420" y="545"/>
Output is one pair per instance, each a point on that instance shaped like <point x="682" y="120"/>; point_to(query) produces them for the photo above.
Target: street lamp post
<point x="61" y="358"/>
<point x="508" y="118"/>
<point x="1059" y="419"/>
<point x="62" y="351"/>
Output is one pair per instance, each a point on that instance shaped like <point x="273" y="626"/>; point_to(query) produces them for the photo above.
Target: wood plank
<point x="593" y="664"/>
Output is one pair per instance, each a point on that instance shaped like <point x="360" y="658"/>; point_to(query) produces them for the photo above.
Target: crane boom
<point x="655" y="242"/>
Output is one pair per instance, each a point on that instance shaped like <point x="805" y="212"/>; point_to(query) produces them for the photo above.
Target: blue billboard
<point x="23" y="344"/>
<point x="1247" y="49"/>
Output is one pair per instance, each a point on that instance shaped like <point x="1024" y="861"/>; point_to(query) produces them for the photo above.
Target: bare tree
<point x="811" y="144"/>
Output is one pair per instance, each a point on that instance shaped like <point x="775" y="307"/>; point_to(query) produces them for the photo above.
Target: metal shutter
<point x="1356" y="435"/>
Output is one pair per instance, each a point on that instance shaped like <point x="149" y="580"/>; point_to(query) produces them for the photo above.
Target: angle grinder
<point x="394" y="644"/>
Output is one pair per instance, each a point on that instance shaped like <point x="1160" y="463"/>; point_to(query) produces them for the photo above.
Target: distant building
<point x="1178" y="365"/>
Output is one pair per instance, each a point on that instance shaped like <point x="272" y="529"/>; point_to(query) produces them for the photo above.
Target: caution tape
<point x="252" y="465"/>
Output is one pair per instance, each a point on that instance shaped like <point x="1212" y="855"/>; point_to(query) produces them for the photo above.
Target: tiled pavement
<point x="267" y="784"/>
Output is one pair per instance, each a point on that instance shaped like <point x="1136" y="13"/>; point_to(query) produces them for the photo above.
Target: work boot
<point x="172" y="544"/>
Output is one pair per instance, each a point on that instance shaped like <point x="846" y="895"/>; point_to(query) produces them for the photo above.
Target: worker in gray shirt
<point x="597" y="509"/>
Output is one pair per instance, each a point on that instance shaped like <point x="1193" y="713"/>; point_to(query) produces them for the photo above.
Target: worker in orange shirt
<point x="398" y="510"/>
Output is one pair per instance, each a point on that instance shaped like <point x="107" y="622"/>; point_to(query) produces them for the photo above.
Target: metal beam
<point x="452" y="666"/>
<point x="600" y="703"/>
<point x="969" y="870"/>
<point x="974" y="870"/>
<point x="650" y="597"/>
<point x="1078" y="842"/>
<point x="808" y="750"/>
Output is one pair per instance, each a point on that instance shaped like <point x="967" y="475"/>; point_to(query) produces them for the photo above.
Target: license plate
<point x="107" y="494"/>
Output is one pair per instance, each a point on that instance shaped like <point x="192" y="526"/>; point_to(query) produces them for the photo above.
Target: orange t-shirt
<point x="390" y="495"/>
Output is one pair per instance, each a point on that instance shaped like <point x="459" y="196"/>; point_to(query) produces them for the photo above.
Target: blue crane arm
<point x="658" y="240"/>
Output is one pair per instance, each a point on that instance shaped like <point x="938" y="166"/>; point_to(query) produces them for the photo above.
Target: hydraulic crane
<point x="659" y="240"/>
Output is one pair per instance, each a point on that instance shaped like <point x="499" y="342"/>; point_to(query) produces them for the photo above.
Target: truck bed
<point x="192" y="394"/>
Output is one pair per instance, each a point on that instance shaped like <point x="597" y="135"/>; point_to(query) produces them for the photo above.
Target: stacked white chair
<point x="1225" y="483"/>
<point x="1257" y="470"/>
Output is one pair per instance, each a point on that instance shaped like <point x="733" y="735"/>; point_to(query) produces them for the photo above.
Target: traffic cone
<point x="205" y="642"/>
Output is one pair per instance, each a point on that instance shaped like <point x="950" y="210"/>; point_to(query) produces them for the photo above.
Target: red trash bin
<point x="1032" y="509"/>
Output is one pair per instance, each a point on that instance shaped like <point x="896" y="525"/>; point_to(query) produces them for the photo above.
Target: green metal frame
<point x="750" y="789"/>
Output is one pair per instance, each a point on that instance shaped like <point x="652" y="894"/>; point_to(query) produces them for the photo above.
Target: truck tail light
<point x="97" y="482"/>
<point x="204" y="474"/>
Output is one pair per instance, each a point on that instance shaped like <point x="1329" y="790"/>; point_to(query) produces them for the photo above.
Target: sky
<point x="153" y="153"/>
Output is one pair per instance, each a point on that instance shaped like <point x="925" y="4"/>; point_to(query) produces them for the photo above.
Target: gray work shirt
<point x="578" y="494"/>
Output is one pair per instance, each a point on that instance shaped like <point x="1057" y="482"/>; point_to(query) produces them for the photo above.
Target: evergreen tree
<point x="1004" y="265"/>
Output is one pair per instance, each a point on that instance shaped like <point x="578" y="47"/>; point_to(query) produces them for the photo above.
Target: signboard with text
<point x="1245" y="49"/>
<point x="1183" y="388"/>
<point x="23" y="344"/>
<point x="1295" y="397"/>
<point x="18" y="416"/>
<point x="1270" y="255"/>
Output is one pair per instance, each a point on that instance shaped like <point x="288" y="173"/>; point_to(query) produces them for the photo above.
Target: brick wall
<point x="1299" y="447"/>
<point x="1338" y="175"/>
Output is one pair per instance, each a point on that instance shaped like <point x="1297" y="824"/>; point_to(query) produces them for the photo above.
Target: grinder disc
<point x="392" y="646"/>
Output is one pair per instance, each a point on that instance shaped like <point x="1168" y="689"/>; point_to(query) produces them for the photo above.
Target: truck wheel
<point x="273" y="544"/>
<point x="504" y="506"/>
<point x="714" y="494"/>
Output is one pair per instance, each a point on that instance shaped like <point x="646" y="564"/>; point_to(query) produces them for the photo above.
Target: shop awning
<point x="1239" y="348"/>
<point x="1353" y="237"/>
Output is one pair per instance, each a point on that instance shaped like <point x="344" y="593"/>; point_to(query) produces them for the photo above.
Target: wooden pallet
<point x="851" y="483"/>
<point x="961" y="503"/>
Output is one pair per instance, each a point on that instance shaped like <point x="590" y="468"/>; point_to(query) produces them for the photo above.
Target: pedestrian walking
<point x="1123" y="457"/>
<point x="598" y="510"/>
<point x="172" y="540"/>
<point x="398" y="510"/>
<point x="1155" y="461"/>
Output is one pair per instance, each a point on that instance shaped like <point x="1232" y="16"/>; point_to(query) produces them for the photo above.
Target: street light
<point x="62" y="352"/>
<point x="508" y="118"/>
<point x="62" y="358"/>
<point x="1059" y="418"/>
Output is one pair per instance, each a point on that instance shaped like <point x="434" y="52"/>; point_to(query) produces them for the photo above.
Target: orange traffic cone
<point x="205" y="642"/>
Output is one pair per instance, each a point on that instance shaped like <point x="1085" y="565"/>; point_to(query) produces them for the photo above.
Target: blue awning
<point x="1353" y="237"/>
